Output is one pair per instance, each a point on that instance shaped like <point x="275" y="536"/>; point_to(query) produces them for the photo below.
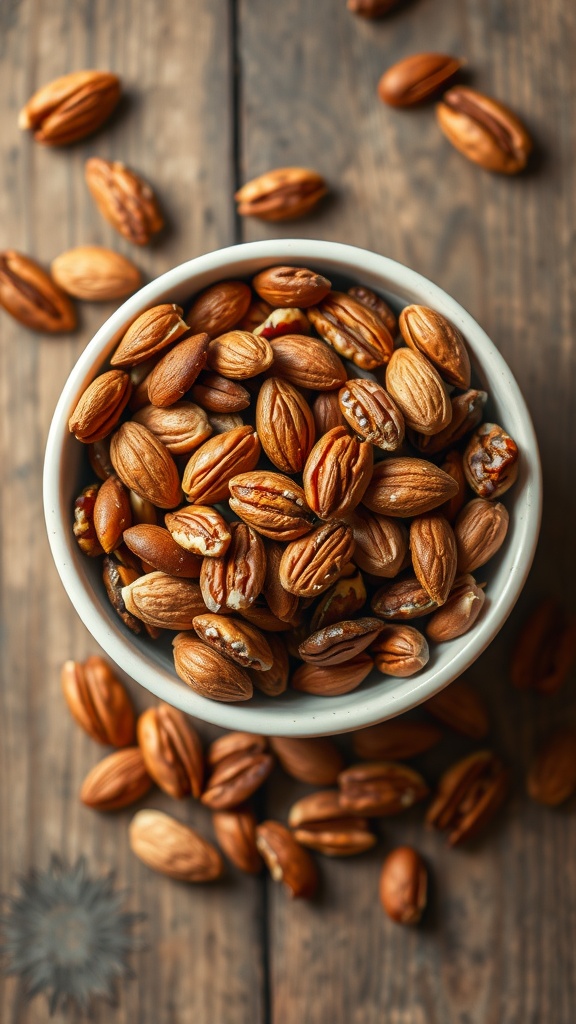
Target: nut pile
<point x="362" y="502"/>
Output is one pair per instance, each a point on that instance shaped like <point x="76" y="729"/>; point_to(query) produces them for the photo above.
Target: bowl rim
<point x="369" y="709"/>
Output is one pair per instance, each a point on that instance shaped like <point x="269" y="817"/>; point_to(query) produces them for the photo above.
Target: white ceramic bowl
<point x="379" y="697"/>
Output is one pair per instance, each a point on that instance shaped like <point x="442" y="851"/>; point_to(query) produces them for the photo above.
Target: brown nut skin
<point x="339" y="642"/>
<point x="381" y="543"/>
<point x="377" y="304"/>
<point x="149" y="334"/>
<point x="200" y="530"/>
<point x="460" y="611"/>
<point x="274" y="681"/>
<point x="95" y="274"/>
<point x="353" y="329"/>
<point x="552" y="774"/>
<point x="343" y="599"/>
<point x="396" y="740"/>
<point x="400" y="650"/>
<point x="370" y="411"/>
<point x="380" y="788"/>
<point x="282" y="194"/>
<point x="83" y="526"/>
<point x="405" y="598"/>
<point x="372" y="8"/>
<point x="484" y="130"/>
<point x="271" y="503"/>
<point x="112" y="513"/>
<point x="545" y="649"/>
<point x="237" y="640"/>
<point x="469" y="794"/>
<point x="240" y="765"/>
<point x="307" y="363"/>
<point x="145" y="466"/>
<point x="461" y="708"/>
<point x="124" y="199"/>
<point x="320" y="824"/>
<point x="404" y="885"/>
<point x="313" y="563"/>
<point x="337" y="472"/>
<point x="217" y="394"/>
<point x="235" y="579"/>
<point x="434" y="554"/>
<point x="180" y="427"/>
<point x="168" y="846"/>
<point x="115" y="577"/>
<point x="284" y="424"/>
<point x="239" y="355"/>
<point x="281" y="603"/>
<point x="332" y="680"/>
<point x="117" y="781"/>
<point x="235" y="832"/>
<point x="490" y="461"/>
<point x="210" y="467"/>
<point x="315" y="761"/>
<point x="163" y="601"/>
<point x="453" y="465"/>
<point x="155" y="546"/>
<point x="98" y="701"/>
<point x="418" y="391"/>
<point x="30" y="295"/>
<point x="219" y="308"/>
<point x="434" y="336"/>
<point x="172" y="751"/>
<point x="480" y="530"/>
<point x="326" y="412"/>
<point x="258" y="311"/>
<point x="290" y="286"/>
<point x="417" y="78"/>
<point x="99" y="458"/>
<point x="207" y="672"/>
<point x="403" y="486"/>
<point x="100" y="406"/>
<point x="467" y="411"/>
<point x="286" y="860"/>
<point x="71" y="107"/>
<point x="176" y="371"/>
<point x="235" y="743"/>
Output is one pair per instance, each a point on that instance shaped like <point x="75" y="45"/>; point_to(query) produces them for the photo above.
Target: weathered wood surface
<point x="219" y="91"/>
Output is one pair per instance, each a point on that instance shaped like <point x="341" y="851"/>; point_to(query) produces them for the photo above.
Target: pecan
<point x="210" y="467"/>
<point x="180" y="428"/>
<point x="199" y="529"/>
<point x="83" y="526"/>
<point x="337" y="472"/>
<point x="236" y="833"/>
<point x="124" y="199"/>
<point x="315" y="761"/>
<point x="428" y="332"/>
<point x="469" y="794"/>
<point x="219" y="308"/>
<point x="239" y="355"/>
<point x="341" y="601"/>
<point x="353" y="329"/>
<point x="403" y="599"/>
<point x="239" y="641"/>
<point x="272" y="503"/>
<point x="416" y="78"/>
<point x="312" y="563"/>
<point x="467" y="411"/>
<point x="117" y="781"/>
<point x="339" y="642"/>
<point x="218" y="394"/>
<point x="286" y="860"/>
<point x="31" y="296"/>
<point x="154" y="546"/>
<point x="285" y="425"/>
<point x="166" y="845"/>
<point x="150" y="332"/>
<point x="71" y="107"/>
<point x="96" y="274"/>
<point x="460" y="611"/>
<point x="307" y="363"/>
<point x="207" y="672"/>
<point x="98" y="701"/>
<point x="172" y="751"/>
<point x="418" y="391"/>
<point x="460" y="708"/>
<point x="490" y="461"/>
<point x="434" y="555"/>
<point x="545" y="649"/>
<point x="377" y="304"/>
<point x="282" y="194"/>
<point x="480" y="531"/>
<point x="380" y="788"/>
<point x="332" y="680"/>
<point x="370" y="411"/>
<point x="483" y="130"/>
<point x="234" y="580"/>
<point x="404" y="885"/>
<point x="395" y="740"/>
<point x="240" y="765"/>
<point x="400" y="650"/>
<point x="407" y="487"/>
<point x="145" y="466"/>
<point x="290" y="286"/>
<point x="552" y="774"/>
<point x="319" y="823"/>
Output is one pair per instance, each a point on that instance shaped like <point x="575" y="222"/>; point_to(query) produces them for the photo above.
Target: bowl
<point x="294" y="714"/>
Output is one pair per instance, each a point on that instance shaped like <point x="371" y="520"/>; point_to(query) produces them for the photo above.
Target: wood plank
<point x="175" y="128"/>
<point x="496" y="946"/>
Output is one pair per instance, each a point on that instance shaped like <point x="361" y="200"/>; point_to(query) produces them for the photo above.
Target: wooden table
<point x="216" y="92"/>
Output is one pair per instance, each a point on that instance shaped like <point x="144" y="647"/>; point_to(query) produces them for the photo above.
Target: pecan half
<point x="290" y="286"/>
<point x="402" y="599"/>
<point x="395" y="740"/>
<point x="339" y="642"/>
<point x="282" y="194"/>
<point x="416" y="78"/>
<point x="285" y="424"/>
<point x="98" y="701"/>
<point x="315" y="761"/>
<point x="239" y="641"/>
<point x="545" y="649"/>
<point x="341" y="601"/>
<point x="210" y="467"/>
<point x="380" y="788"/>
<point x="552" y="774"/>
<point x="312" y="563"/>
<point x="461" y="708"/>
<point x="404" y="885"/>
<point x="286" y="860"/>
<point x="240" y="765"/>
<point x="377" y="304"/>
<point x="337" y="472"/>
<point x="236" y="834"/>
<point x="331" y="680"/>
<point x="172" y="751"/>
<point x="218" y="394"/>
<point x="320" y="824"/>
<point x="199" y="529"/>
<point x="274" y="680"/>
<point x="370" y="411"/>
<point x="234" y="580"/>
<point x="71" y="107"/>
<point x="31" y="296"/>
<point x="353" y="329"/>
<point x="490" y="461"/>
<point x="124" y="199"/>
<point x="469" y="794"/>
<point x="83" y="527"/>
<point x="272" y="503"/>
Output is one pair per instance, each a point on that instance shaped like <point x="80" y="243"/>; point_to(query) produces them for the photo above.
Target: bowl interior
<point x="379" y="697"/>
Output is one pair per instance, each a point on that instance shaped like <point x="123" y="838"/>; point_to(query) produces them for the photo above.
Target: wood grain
<point x="216" y="92"/>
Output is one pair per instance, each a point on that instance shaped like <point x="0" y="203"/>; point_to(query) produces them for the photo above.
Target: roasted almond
<point x="167" y="602"/>
<point x="400" y="650"/>
<point x="207" y="672"/>
<point x="467" y="411"/>
<point x="234" y="580"/>
<point x="545" y="649"/>
<point x="460" y="708"/>
<point x="151" y="332"/>
<point x="124" y="199"/>
<point x="307" y="363"/>
<point x="404" y="598"/>
<point x="341" y="601"/>
<point x="416" y="78"/>
<point x="552" y="774"/>
<point x="239" y="355"/>
<point x="98" y="701"/>
<point x="199" y="529"/>
<point x="285" y="425"/>
<point x="339" y="642"/>
<point x="286" y="860"/>
<point x="177" y="370"/>
<point x="30" y="295"/>
<point x="404" y="885"/>
<point x="480" y="531"/>
<point x="418" y="391"/>
<point x="320" y="824"/>
<point x="172" y="751"/>
<point x="377" y="304"/>
<point x="381" y="543"/>
<point x="100" y="406"/>
<point x="291" y="286"/>
<point x="469" y="794"/>
<point x="315" y="761"/>
<point x="238" y="640"/>
<point x="181" y="427"/>
<point x="312" y="563"/>
<point x="282" y="194"/>
<point x="380" y="788"/>
<point x="209" y="469"/>
<point x="272" y="503"/>
<point x="145" y="466"/>
<point x="395" y="740"/>
<point x="428" y="332"/>
<point x="219" y="308"/>
<point x="353" y="329"/>
<point x="407" y="487"/>
<point x="337" y="472"/>
<point x="434" y="555"/>
<point x="370" y="411"/>
<point x="95" y="274"/>
<point x="332" y="680"/>
<point x="326" y="412"/>
<point x="218" y="394"/>
<point x="235" y="831"/>
<point x="112" y="513"/>
<point x="490" y="461"/>
<point x="70" y="107"/>
<point x="166" y="845"/>
<point x="117" y="781"/>
<point x="460" y="611"/>
<point x="157" y="548"/>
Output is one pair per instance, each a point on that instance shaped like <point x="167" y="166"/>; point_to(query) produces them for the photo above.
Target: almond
<point x="222" y="422"/>
<point x="219" y="308"/>
<point x="381" y="543"/>
<point x="281" y="194"/>
<point x="291" y="286"/>
<point x="112" y="513"/>
<point x="100" y="406"/>
<point x="326" y="412"/>
<point x="467" y="411"/>
<point x="340" y="642"/>
<point x="272" y="503"/>
<point x="419" y="392"/>
<point x="428" y="332"/>
<point x="307" y="363"/>
<point x="157" y="548"/>
<point x="31" y="296"/>
<point x="151" y="332"/>
<point x="209" y="673"/>
<point x="407" y="487"/>
<point x="96" y="274"/>
<point x="199" y="529"/>
<point x="337" y="472"/>
<point x="71" y="107"/>
<point x="400" y="650"/>
<point x="181" y="427"/>
<point x="312" y="563"/>
<point x="286" y="860"/>
<point x="460" y="708"/>
<point x="395" y="740"/>
<point x="217" y="394"/>
<point x="239" y="355"/>
<point x="480" y="531"/>
<point x="166" y="845"/>
<point x="234" y="580"/>
<point x="167" y="602"/>
<point x="285" y="425"/>
<point x="460" y="611"/>
<point x="176" y="371"/>
<point x="314" y="761"/>
<point x="209" y="469"/>
<point x="552" y="775"/>
<point x="434" y="555"/>
<point x="172" y="751"/>
<point x="404" y="885"/>
<point x="124" y="199"/>
<point x="416" y="78"/>
<point x="490" y="461"/>
<point x="98" y="701"/>
<point x="235" y="831"/>
<point x="117" y="781"/>
<point x="332" y="680"/>
<point x="354" y="330"/>
<point x="370" y="411"/>
<point x="145" y="466"/>
<point x="242" y="643"/>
